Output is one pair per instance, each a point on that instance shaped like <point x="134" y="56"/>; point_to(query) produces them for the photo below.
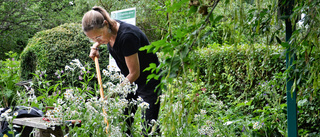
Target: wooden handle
<point x="96" y="62"/>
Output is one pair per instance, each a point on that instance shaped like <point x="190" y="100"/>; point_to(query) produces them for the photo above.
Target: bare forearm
<point x="132" y="77"/>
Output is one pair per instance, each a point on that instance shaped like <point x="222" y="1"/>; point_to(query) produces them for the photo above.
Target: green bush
<point x="234" y="70"/>
<point x="9" y="76"/>
<point x="51" y="50"/>
<point x="257" y="73"/>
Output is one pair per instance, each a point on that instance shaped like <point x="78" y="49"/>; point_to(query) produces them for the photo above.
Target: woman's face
<point x="99" y="35"/>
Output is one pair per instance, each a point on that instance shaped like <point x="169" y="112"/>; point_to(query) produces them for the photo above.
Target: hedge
<point x="252" y="71"/>
<point x="53" y="49"/>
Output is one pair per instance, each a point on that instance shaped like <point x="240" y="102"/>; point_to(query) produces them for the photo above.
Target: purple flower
<point x="272" y="86"/>
<point x="243" y="128"/>
<point x="58" y="77"/>
<point x="56" y="73"/>
<point x="267" y="104"/>
<point x="81" y="73"/>
<point x="88" y="88"/>
<point x="88" y="71"/>
<point x="80" y="78"/>
<point x="262" y="123"/>
<point x="264" y="94"/>
<point x="61" y="71"/>
<point x="12" y="59"/>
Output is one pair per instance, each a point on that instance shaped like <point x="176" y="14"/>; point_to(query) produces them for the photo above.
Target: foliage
<point x="147" y="17"/>
<point x="230" y="71"/>
<point x="9" y="76"/>
<point x="50" y="50"/>
<point x="247" y="22"/>
<point x="245" y="92"/>
<point x="82" y="102"/>
<point x="21" y="19"/>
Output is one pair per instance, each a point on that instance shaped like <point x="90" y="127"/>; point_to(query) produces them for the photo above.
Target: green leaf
<point x="151" y="66"/>
<point x="285" y="44"/>
<point x="176" y="6"/>
<point x="217" y="19"/>
<point x="184" y="51"/>
<point x="192" y="10"/>
<point x="151" y="76"/>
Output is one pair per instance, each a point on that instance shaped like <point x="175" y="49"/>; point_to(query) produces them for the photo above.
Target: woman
<point x="124" y="41"/>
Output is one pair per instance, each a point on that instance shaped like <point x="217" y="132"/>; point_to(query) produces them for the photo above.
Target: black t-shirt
<point x="128" y="41"/>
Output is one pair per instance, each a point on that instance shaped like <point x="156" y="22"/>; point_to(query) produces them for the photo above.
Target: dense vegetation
<point x="224" y="68"/>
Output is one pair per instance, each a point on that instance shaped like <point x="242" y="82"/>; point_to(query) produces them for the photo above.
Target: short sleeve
<point x="130" y="44"/>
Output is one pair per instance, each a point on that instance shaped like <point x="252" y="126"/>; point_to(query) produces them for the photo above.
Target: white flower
<point x="69" y="68"/>
<point x="8" y="111"/>
<point x="4" y="115"/>
<point x="203" y="112"/>
<point x="47" y="124"/>
<point x="15" y="113"/>
<point x="105" y="72"/>
<point x="208" y="122"/>
<point x="144" y="105"/>
<point x="60" y="101"/>
<point x="228" y="123"/>
<point x="77" y="61"/>
<point x="140" y="99"/>
<point x="257" y="125"/>
<point x="213" y="96"/>
<point x="196" y="117"/>
<point x="83" y="69"/>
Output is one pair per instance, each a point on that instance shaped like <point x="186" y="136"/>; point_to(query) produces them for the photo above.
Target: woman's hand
<point x="94" y="52"/>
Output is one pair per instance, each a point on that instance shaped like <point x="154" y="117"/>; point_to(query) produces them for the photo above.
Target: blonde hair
<point x="95" y="19"/>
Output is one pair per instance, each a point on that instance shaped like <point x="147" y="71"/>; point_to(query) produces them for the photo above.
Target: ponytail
<point x="95" y="19"/>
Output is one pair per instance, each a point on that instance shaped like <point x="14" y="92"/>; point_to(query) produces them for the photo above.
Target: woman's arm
<point x="133" y="65"/>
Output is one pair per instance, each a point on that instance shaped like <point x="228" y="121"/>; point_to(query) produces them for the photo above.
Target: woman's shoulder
<point x="128" y="28"/>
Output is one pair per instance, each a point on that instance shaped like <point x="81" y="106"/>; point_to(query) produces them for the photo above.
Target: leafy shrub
<point x="51" y="50"/>
<point x="83" y="102"/>
<point x="231" y="70"/>
<point x="9" y="76"/>
<point x="257" y="74"/>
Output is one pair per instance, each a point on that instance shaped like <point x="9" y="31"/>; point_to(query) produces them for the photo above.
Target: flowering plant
<point x="72" y="102"/>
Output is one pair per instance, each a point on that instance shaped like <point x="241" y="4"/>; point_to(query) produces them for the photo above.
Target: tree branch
<point x="206" y="22"/>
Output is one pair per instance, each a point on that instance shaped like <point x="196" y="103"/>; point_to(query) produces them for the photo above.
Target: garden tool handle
<point x="96" y="62"/>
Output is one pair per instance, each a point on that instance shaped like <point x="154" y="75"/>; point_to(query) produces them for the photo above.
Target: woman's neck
<point x="114" y="36"/>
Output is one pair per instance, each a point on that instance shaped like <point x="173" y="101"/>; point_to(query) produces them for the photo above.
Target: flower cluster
<point x="75" y="103"/>
<point x="118" y="85"/>
<point x="6" y="114"/>
<point x="206" y="130"/>
<point x="257" y="125"/>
